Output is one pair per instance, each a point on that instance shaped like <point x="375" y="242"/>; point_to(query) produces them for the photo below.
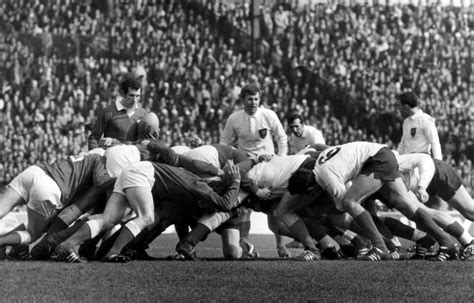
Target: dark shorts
<point x="383" y="165"/>
<point x="445" y="181"/>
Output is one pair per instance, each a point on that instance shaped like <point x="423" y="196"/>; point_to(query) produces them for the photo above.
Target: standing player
<point x="419" y="130"/>
<point x="302" y="135"/>
<point x="371" y="168"/>
<point x="118" y="122"/>
<point x="253" y="130"/>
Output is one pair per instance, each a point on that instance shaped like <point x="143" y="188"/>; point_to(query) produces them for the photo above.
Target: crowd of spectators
<point x="339" y="66"/>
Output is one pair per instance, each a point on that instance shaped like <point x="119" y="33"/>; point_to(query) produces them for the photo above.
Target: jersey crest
<point x="413" y="131"/>
<point x="263" y="133"/>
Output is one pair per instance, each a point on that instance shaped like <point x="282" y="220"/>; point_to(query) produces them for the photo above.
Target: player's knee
<point x="146" y="220"/>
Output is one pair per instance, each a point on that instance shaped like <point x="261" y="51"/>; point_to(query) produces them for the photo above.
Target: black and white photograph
<point x="236" y="151"/>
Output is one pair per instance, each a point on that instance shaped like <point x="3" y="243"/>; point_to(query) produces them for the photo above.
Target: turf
<point x="254" y="280"/>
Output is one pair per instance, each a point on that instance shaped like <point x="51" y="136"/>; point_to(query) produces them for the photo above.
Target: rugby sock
<point x="12" y="237"/>
<point x="400" y="229"/>
<point x="425" y="222"/>
<point x="197" y="234"/>
<point x="300" y="233"/>
<point x="381" y="227"/>
<point x="57" y="224"/>
<point x="63" y="234"/>
<point x="370" y="230"/>
<point x="124" y="237"/>
<point x="244" y="229"/>
<point x="457" y="231"/>
<point x="316" y="230"/>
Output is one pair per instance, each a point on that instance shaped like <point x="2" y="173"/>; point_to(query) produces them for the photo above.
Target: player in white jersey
<point x="253" y="130"/>
<point x="273" y="174"/>
<point x="302" y="135"/>
<point x="419" y="130"/>
<point x="371" y="168"/>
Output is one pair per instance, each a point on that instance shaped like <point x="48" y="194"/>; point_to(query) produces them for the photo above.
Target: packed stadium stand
<point x="338" y="63"/>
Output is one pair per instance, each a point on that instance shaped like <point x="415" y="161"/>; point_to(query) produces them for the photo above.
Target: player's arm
<point x="432" y="134"/>
<point x="97" y="131"/>
<point x="227" y="201"/>
<point x="228" y="136"/>
<point x="401" y="146"/>
<point x="280" y="135"/>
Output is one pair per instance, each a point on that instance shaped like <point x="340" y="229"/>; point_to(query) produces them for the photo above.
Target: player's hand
<point x="220" y="172"/>
<point x="265" y="158"/>
<point x="107" y="141"/>
<point x="421" y="194"/>
<point x="232" y="171"/>
<point x="263" y="193"/>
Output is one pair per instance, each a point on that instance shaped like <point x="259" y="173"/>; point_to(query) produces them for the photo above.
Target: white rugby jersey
<point x="310" y="136"/>
<point x="254" y="133"/>
<point x="275" y="173"/>
<point x="420" y="135"/>
<point x="205" y="153"/>
<point x="416" y="170"/>
<point x="340" y="164"/>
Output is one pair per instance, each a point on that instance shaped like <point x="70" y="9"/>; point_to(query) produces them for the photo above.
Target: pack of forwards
<point x="320" y="199"/>
<point x="110" y="203"/>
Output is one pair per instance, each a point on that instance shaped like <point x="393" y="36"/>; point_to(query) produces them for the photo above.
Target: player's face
<point x="251" y="103"/>
<point x="131" y="98"/>
<point x="297" y="127"/>
<point x="405" y="110"/>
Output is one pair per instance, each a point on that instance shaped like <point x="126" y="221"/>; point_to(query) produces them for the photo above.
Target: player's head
<point x="195" y="141"/>
<point x="296" y="123"/>
<point x="302" y="181"/>
<point x="149" y="126"/>
<point x="130" y="89"/>
<point x="408" y="101"/>
<point x="250" y="95"/>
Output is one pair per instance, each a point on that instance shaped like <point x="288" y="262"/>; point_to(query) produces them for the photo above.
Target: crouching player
<point x="138" y="188"/>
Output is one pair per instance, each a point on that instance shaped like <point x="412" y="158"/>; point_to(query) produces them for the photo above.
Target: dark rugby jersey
<point x="180" y="184"/>
<point x="78" y="173"/>
<point x="116" y="124"/>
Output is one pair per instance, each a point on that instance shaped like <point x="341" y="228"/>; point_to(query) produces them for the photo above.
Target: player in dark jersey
<point x="48" y="187"/>
<point x="119" y="121"/>
<point x="117" y="157"/>
<point x="142" y="186"/>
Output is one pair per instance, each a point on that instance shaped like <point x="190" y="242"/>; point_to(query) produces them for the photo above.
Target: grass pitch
<point x="254" y="280"/>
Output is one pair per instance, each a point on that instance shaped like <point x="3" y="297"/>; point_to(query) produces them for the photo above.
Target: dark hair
<point x="300" y="181"/>
<point x="408" y="98"/>
<point x="249" y="90"/>
<point x="293" y="117"/>
<point x="130" y="83"/>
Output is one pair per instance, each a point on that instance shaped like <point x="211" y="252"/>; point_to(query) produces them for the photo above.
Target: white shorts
<point x="120" y="156"/>
<point x="141" y="174"/>
<point x="41" y="193"/>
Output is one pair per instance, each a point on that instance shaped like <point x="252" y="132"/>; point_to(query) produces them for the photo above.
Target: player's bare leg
<point x="114" y="212"/>
<point x="141" y="201"/>
<point x="364" y="186"/>
<point x="396" y="193"/>
<point x="9" y="198"/>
